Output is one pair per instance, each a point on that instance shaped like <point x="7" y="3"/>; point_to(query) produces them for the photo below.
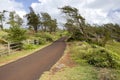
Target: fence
<point x="9" y="48"/>
<point x="13" y="47"/>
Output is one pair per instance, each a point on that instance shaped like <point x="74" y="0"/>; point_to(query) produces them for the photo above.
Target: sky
<point x="95" y="11"/>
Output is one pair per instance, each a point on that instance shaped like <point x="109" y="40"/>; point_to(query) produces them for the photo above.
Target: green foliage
<point x="104" y="58"/>
<point x="113" y="46"/>
<point x="75" y="23"/>
<point x="95" y="55"/>
<point x="16" y="34"/>
<point x="2" y="18"/>
<point x="42" y="40"/>
<point x="29" y="46"/>
<point x="33" y="20"/>
<point x="14" y="19"/>
<point x="48" y="24"/>
<point x="46" y="36"/>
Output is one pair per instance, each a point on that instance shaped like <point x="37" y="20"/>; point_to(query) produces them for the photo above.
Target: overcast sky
<point x="94" y="11"/>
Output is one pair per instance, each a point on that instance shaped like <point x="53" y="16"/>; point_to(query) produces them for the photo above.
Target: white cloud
<point x="94" y="11"/>
<point x="12" y="5"/>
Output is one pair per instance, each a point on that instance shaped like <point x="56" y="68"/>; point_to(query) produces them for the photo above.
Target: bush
<point x="46" y="36"/>
<point x="104" y="58"/>
<point x="16" y="34"/>
<point x="42" y="40"/>
<point x="95" y="55"/>
<point x="29" y="46"/>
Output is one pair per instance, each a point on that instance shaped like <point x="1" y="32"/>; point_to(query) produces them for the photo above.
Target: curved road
<point x="32" y="66"/>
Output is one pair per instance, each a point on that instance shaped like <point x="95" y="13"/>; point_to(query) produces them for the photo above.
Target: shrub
<point x="42" y="40"/>
<point x="104" y="58"/>
<point x="16" y="34"/>
<point x="29" y="46"/>
<point x="95" y="55"/>
<point x="48" y="37"/>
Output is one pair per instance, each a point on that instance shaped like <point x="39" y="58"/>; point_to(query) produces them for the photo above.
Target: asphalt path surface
<point x="31" y="67"/>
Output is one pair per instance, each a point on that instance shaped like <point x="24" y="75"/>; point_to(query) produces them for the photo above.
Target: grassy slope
<point x="113" y="46"/>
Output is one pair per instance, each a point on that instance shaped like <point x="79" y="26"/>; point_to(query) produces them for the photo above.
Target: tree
<point x="46" y="20"/>
<point x="78" y="21"/>
<point x="48" y="23"/>
<point x="16" y="34"/>
<point x="33" y="20"/>
<point x="73" y="14"/>
<point x="53" y="25"/>
<point x="2" y="18"/>
<point x="69" y="25"/>
<point x="14" y="19"/>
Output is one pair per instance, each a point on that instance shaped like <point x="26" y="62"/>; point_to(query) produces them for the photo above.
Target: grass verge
<point x="75" y="73"/>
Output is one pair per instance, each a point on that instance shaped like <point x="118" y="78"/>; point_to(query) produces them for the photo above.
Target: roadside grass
<point x="19" y="54"/>
<point x="75" y="73"/>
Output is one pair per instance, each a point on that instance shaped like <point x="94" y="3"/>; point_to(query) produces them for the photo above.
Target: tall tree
<point x="2" y="18"/>
<point x="53" y="25"/>
<point x="48" y="23"/>
<point x="33" y="20"/>
<point x="14" y="19"/>
<point x="46" y="20"/>
<point x="73" y="14"/>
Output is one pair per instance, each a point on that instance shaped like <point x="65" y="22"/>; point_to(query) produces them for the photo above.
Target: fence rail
<point x="10" y="48"/>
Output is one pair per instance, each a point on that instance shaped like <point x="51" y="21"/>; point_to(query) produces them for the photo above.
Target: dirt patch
<point x="64" y="62"/>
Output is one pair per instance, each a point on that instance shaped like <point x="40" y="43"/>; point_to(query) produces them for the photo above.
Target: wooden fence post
<point x="8" y="48"/>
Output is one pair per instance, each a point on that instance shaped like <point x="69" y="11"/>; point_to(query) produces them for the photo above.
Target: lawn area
<point x="19" y="54"/>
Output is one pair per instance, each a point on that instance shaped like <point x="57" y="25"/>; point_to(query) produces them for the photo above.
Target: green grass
<point x="113" y="46"/>
<point x="75" y="73"/>
<point x="19" y="54"/>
